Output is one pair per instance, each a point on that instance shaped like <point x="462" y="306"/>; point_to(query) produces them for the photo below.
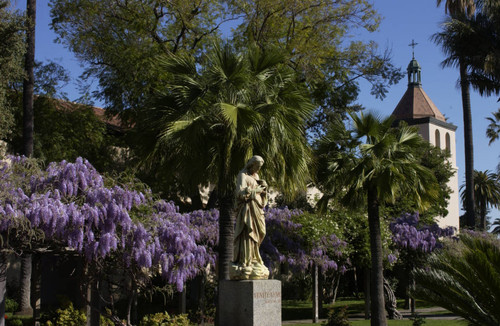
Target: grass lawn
<point x="302" y="310"/>
<point x="430" y="322"/>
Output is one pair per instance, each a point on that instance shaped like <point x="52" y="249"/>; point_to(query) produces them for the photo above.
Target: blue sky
<point x="403" y="21"/>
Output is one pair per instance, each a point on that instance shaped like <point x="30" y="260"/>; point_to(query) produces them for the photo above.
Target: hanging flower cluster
<point x="406" y="233"/>
<point x="72" y="206"/>
<point x="284" y="242"/>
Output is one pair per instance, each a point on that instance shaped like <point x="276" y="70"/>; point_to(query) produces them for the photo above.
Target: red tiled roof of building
<point x="416" y="104"/>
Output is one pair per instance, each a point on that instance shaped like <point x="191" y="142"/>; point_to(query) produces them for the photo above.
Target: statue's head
<point x="254" y="164"/>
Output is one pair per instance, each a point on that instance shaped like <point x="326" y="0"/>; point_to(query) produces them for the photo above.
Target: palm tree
<point x="212" y="117"/>
<point x="493" y="130"/>
<point x="28" y="116"/>
<point x="486" y="194"/>
<point x="458" y="7"/>
<point x="452" y="39"/>
<point x="464" y="278"/>
<point x="384" y="168"/>
<point x="496" y="225"/>
<point x="470" y="41"/>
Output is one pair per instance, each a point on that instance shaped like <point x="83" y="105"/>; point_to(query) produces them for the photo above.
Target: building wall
<point x="429" y="132"/>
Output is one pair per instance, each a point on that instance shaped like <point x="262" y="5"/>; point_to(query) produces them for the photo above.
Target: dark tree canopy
<point x="120" y="41"/>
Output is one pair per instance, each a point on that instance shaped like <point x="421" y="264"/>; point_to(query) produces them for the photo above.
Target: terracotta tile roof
<point x="416" y="104"/>
<point x="113" y="121"/>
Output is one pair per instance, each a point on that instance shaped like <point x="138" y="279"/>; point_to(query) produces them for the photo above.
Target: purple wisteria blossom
<point x="72" y="206"/>
<point x="285" y="243"/>
<point x="406" y="233"/>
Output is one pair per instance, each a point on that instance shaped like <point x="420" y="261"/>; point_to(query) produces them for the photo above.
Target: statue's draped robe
<point x="250" y="230"/>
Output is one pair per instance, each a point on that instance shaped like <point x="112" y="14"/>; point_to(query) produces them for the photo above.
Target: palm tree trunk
<point x="226" y="235"/>
<point x="378" y="317"/>
<point x="29" y="80"/>
<point x="482" y="212"/>
<point x="470" y="215"/>
<point x="28" y="86"/>
<point x="366" y="289"/>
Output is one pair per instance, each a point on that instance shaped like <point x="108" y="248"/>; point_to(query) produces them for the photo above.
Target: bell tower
<point x="417" y="109"/>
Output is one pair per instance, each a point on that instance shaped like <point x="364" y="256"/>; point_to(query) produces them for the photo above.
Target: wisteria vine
<point x="77" y="209"/>
<point x="406" y="233"/>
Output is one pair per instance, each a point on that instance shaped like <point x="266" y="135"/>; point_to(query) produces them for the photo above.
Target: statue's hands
<point x="260" y="189"/>
<point x="263" y="183"/>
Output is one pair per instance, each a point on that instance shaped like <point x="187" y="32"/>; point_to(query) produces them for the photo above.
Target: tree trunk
<point x="378" y="317"/>
<point x="315" y="298"/>
<point x="130" y="305"/>
<point x="366" y="289"/>
<point x="226" y="239"/>
<point x="470" y="216"/>
<point x="3" y="285"/>
<point x="25" y="285"/>
<point x="93" y="302"/>
<point x="336" y="283"/>
<point x="483" y="211"/>
<point x="28" y="117"/>
<point x="321" y="279"/>
<point x="29" y="79"/>
<point x="356" y="286"/>
<point x="36" y="286"/>
<point x="226" y="235"/>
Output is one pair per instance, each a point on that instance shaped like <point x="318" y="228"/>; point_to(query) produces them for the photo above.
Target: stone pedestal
<point x="250" y="303"/>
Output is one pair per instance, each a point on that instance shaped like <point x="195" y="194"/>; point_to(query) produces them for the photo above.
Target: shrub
<point x="337" y="317"/>
<point x="13" y="322"/>
<point x="70" y="317"/>
<point x="163" y="319"/>
<point x="11" y="305"/>
<point x="464" y="279"/>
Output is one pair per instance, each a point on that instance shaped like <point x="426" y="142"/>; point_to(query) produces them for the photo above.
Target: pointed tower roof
<point x="415" y="103"/>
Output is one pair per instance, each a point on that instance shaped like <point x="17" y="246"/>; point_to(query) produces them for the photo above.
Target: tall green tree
<point x="451" y="40"/>
<point x="470" y="40"/>
<point x="384" y="168"/>
<point x="210" y="119"/>
<point x="28" y="129"/>
<point x="117" y="39"/>
<point x="493" y="130"/>
<point x="486" y="195"/>
<point x="12" y="48"/>
<point x="496" y="226"/>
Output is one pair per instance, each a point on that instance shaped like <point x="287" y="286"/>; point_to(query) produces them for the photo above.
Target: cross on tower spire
<point x="413" y="44"/>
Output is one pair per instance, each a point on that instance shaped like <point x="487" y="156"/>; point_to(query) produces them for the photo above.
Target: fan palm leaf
<point x="465" y="279"/>
<point x="213" y="116"/>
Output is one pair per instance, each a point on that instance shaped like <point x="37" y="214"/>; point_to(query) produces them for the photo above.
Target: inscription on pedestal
<point x="250" y="303"/>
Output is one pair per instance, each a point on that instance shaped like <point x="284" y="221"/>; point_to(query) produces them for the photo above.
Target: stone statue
<point x="250" y="230"/>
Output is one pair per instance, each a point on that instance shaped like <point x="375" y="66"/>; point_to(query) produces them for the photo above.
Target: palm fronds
<point x="465" y="279"/>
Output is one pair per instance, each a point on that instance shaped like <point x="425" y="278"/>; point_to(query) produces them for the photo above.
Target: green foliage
<point x="493" y="130"/>
<point x="436" y="160"/>
<point x="65" y="131"/>
<point x="417" y="320"/>
<point x="164" y="319"/>
<point x="211" y="119"/>
<point x="338" y="317"/>
<point x="121" y="43"/>
<point x="13" y="322"/>
<point x="70" y="317"/>
<point x="314" y="226"/>
<point x="11" y="305"/>
<point x="464" y="278"/>
<point x="11" y="55"/>
<point x="486" y="195"/>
